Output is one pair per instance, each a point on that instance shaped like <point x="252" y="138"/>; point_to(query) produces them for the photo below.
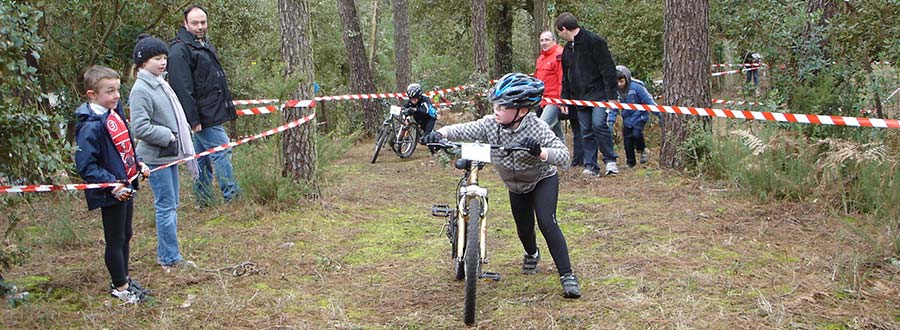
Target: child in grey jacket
<point x="163" y="136"/>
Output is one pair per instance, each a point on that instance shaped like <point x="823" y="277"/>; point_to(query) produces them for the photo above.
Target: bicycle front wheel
<point x="407" y="138"/>
<point x="472" y="259"/>
<point x="379" y="141"/>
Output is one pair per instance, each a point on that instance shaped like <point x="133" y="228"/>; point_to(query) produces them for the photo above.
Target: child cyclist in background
<point x="633" y="121"/>
<point x="420" y="108"/>
<point x="531" y="178"/>
<point x="105" y="155"/>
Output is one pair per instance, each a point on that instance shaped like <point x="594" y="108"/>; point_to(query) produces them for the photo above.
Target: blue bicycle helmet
<point x="517" y="90"/>
<point x="414" y="90"/>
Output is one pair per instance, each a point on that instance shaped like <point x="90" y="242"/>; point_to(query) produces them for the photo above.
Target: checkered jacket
<point x="520" y="171"/>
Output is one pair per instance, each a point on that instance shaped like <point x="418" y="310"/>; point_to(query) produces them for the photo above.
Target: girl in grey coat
<point x="163" y="135"/>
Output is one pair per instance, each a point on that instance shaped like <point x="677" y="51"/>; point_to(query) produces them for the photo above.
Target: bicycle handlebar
<point x="448" y="146"/>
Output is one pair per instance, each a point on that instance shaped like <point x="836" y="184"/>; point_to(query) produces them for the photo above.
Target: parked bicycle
<point x="466" y="221"/>
<point x="401" y="132"/>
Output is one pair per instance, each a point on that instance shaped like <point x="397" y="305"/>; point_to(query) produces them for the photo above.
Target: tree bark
<point x="298" y="144"/>
<point x="401" y="45"/>
<point x="685" y="72"/>
<point x="361" y="79"/>
<point x="479" y="26"/>
<point x="373" y="36"/>
<point x="539" y="16"/>
<point x="503" y="38"/>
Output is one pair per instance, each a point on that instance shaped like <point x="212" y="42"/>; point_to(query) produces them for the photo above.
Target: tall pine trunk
<point x="539" y="17"/>
<point x="401" y="45"/>
<point x="503" y="38"/>
<point x="298" y="144"/>
<point x="479" y="27"/>
<point x="685" y="72"/>
<point x="361" y="80"/>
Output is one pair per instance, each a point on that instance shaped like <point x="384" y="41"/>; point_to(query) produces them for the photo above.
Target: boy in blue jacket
<point x="106" y="155"/>
<point x="632" y="91"/>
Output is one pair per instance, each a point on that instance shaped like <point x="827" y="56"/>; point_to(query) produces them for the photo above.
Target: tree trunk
<point x="503" y="39"/>
<point x="539" y="15"/>
<point x="298" y="144"/>
<point x="401" y="44"/>
<point x="479" y="27"/>
<point x="373" y="36"/>
<point x="685" y="72"/>
<point x="361" y="80"/>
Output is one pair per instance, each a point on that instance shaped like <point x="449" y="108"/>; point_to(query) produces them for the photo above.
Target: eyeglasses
<point x="546" y="39"/>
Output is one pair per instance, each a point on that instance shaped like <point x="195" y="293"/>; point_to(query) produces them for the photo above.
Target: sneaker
<point x="644" y="157"/>
<point x="138" y="286"/>
<point x="179" y="265"/>
<point x="530" y="262"/>
<point x="589" y="172"/>
<point x="128" y="296"/>
<point x="571" y="288"/>
<point x="611" y="168"/>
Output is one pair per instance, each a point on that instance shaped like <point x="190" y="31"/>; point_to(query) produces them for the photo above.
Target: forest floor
<point x="653" y="250"/>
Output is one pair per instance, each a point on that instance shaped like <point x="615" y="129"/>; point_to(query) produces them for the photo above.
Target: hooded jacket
<point x="548" y="68"/>
<point x="196" y="75"/>
<point x="97" y="159"/>
<point x="589" y="71"/>
<point x="634" y="93"/>
<point x="520" y="171"/>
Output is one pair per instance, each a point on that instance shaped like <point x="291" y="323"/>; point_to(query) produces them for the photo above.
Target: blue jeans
<point x="165" y="199"/>
<point x="551" y="117"/>
<point x="595" y="133"/>
<point x="210" y="137"/>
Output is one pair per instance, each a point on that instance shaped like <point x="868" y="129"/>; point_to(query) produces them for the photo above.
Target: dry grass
<point x="653" y="250"/>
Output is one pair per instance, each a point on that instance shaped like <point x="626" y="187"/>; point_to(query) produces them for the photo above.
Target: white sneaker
<point x="127" y="296"/>
<point x="611" y="168"/>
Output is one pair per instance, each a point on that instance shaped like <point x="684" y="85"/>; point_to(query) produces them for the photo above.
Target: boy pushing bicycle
<point x="531" y="178"/>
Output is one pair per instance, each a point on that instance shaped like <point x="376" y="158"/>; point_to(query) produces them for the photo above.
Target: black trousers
<point x="541" y="202"/>
<point x="117" y="232"/>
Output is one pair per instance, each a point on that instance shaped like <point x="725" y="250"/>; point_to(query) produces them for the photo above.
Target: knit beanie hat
<point x="147" y="47"/>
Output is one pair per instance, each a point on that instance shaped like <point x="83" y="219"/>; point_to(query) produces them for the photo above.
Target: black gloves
<point x="433" y="137"/>
<point x="409" y="111"/>
<point x="534" y="148"/>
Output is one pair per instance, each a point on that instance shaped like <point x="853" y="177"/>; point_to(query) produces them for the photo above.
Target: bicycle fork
<point x="467" y="193"/>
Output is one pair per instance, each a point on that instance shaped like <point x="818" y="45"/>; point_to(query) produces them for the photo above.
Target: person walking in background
<point x="198" y="80"/>
<point x="589" y="73"/>
<point x="633" y="121"/>
<point x="161" y="128"/>
<point x="105" y="154"/>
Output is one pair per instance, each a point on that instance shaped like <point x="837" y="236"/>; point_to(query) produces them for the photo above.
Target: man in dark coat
<point x="196" y="75"/>
<point x="589" y="74"/>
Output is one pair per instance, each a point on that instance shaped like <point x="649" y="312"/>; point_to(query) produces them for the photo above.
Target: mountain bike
<point x="400" y="131"/>
<point x="466" y="221"/>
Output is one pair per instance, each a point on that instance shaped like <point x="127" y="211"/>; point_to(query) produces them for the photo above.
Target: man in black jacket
<point x="199" y="81"/>
<point x="589" y="73"/>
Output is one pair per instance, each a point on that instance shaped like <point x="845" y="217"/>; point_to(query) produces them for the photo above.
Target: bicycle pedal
<point x="441" y="210"/>
<point x="490" y="276"/>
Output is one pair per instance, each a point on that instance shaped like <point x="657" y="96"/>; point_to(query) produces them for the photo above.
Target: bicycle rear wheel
<point x="472" y="259"/>
<point x="379" y="141"/>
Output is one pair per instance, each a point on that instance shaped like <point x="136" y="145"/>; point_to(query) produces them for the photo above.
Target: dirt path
<point x="653" y="251"/>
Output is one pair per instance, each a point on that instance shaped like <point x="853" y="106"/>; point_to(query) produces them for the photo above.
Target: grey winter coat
<point x="520" y="171"/>
<point x="153" y="121"/>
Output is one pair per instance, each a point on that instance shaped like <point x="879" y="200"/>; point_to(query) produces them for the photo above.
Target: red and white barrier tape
<point x="258" y="110"/>
<point x="225" y="146"/>
<point x="279" y="129"/>
<point x="717" y="101"/>
<point x="716" y="74"/>
<point x="742" y="114"/>
<point x="254" y="102"/>
<point x="44" y="187"/>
